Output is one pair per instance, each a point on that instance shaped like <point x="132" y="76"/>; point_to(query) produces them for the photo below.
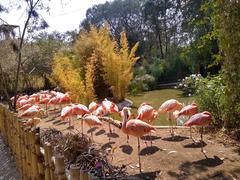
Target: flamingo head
<point x="194" y="104"/>
<point x="114" y="108"/>
<point x="179" y="106"/>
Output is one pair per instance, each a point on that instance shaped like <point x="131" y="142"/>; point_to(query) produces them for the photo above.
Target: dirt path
<point x="8" y="170"/>
<point x="177" y="158"/>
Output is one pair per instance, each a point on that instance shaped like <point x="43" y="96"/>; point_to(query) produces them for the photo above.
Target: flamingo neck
<point x="125" y="119"/>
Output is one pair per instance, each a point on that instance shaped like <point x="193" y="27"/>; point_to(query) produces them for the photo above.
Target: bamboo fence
<point x="33" y="161"/>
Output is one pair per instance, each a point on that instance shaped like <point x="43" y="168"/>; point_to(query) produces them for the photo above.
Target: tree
<point x="227" y="25"/>
<point x="68" y="77"/>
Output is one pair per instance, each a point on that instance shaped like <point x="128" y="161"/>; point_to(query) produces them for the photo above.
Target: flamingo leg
<point x="91" y="132"/>
<point x="170" y="119"/>
<point x="202" y="143"/>
<point x="139" y="160"/>
<point x="82" y="125"/>
<point x="127" y="139"/>
<point x="202" y="139"/>
<point x="109" y="126"/>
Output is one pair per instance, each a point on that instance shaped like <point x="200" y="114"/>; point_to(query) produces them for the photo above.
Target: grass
<point x="156" y="98"/>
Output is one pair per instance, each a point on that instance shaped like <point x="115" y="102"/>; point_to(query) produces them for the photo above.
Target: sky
<point x="64" y="15"/>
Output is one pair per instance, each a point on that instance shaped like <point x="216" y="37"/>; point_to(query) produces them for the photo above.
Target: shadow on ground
<point x="176" y="138"/>
<point x="146" y="175"/>
<point x="126" y="149"/>
<point x="107" y="145"/>
<point x="149" y="150"/>
<point x="150" y="138"/>
<point x="195" y="145"/>
<point x="189" y="169"/>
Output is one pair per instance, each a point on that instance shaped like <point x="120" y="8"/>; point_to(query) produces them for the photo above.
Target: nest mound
<point x="78" y="150"/>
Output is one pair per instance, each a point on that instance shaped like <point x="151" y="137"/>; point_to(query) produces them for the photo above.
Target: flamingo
<point x="67" y="112"/>
<point x="130" y="116"/>
<point x="188" y="110"/>
<point x="199" y="119"/>
<point x="24" y="107"/>
<point x="93" y="106"/>
<point x="147" y="114"/>
<point x="64" y="99"/>
<point x="109" y="108"/>
<point x="170" y="106"/>
<point x="100" y="111"/>
<point x="92" y="120"/>
<point x="45" y="101"/>
<point x="32" y="112"/>
<point x="136" y="128"/>
<point x="80" y="110"/>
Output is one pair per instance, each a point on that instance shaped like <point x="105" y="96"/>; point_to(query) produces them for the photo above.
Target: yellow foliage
<point x="68" y="78"/>
<point x="99" y="63"/>
<point x="89" y="82"/>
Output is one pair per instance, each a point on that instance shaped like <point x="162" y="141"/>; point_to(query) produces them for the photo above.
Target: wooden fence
<point x="33" y="161"/>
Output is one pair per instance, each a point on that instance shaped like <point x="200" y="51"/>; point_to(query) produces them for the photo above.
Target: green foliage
<point x="210" y="95"/>
<point x="141" y="81"/>
<point x="189" y="84"/>
<point x="227" y="26"/>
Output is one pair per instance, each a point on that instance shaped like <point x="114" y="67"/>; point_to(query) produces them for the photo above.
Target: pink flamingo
<point x="109" y="108"/>
<point x="188" y="110"/>
<point x="199" y="119"/>
<point x="24" y="107"/>
<point x="129" y="115"/>
<point x="100" y="111"/>
<point x="32" y="112"/>
<point x="136" y="128"/>
<point x="147" y="114"/>
<point x="170" y="106"/>
<point x="80" y="110"/>
<point x="67" y="112"/>
<point x="92" y="120"/>
<point x="45" y="101"/>
<point x="93" y="106"/>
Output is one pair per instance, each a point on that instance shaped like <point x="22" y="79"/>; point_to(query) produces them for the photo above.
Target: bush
<point x="210" y="97"/>
<point x="189" y="84"/>
<point x="141" y="82"/>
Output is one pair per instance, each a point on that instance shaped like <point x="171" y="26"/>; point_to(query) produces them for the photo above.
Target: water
<point x="156" y="98"/>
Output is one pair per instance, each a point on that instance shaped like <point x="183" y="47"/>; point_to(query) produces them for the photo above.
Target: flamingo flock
<point x="42" y="103"/>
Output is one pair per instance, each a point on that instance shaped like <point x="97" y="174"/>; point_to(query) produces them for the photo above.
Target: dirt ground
<point x="167" y="158"/>
<point x="8" y="170"/>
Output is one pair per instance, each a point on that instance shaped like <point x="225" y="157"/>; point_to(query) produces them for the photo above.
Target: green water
<point x="156" y="98"/>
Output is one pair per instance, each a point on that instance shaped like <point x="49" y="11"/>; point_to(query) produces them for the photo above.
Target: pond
<point x="156" y="98"/>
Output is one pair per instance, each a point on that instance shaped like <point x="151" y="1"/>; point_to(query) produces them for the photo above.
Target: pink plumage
<point x="170" y="106"/>
<point x="188" y="110"/>
<point x="92" y="120"/>
<point x="199" y="119"/>
<point x="80" y="109"/>
<point x="93" y="106"/>
<point x="146" y="113"/>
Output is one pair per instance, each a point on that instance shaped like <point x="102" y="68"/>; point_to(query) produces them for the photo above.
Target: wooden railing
<point x="33" y="161"/>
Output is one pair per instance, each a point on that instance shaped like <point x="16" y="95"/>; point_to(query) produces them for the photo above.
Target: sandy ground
<point x="167" y="158"/>
<point x="8" y="170"/>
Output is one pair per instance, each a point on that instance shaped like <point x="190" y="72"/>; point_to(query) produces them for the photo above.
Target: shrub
<point x="141" y="82"/>
<point x="189" y="84"/>
<point x="210" y="97"/>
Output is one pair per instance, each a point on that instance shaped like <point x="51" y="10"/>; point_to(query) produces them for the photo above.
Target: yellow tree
<point x="68" y="78"/>
<point x="89" y="79"/>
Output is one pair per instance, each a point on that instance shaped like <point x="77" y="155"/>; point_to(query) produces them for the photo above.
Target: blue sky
<point x="64" y="14"/>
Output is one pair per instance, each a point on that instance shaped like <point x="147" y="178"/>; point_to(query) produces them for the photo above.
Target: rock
<point x="125" y="103"/>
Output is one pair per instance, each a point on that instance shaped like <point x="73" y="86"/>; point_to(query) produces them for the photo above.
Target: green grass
<point x="156" y="98"/>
